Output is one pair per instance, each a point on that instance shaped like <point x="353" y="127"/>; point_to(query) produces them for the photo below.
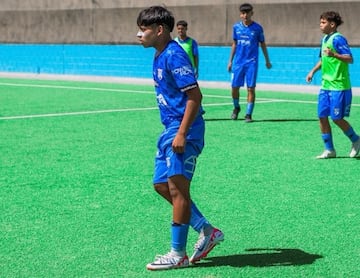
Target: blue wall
<point x="290" y="64"/>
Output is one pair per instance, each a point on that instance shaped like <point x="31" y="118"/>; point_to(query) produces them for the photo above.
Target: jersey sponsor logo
<point x="243" y="42"/>
<point x="185" y="70"/>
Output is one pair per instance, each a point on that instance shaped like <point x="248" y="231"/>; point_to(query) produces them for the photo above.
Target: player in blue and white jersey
<point x="179" y="100"/>
<point x="243" y="62"/>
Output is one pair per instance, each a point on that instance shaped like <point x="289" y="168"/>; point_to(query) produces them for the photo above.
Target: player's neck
<point x="162" y="43"/>
<point x="329" y="34"/>
<point x="183" y="37"/>
<point x="247" y="22"/>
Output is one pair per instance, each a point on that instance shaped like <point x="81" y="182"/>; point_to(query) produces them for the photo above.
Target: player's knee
<point x="337" y="121"/>
<point x="160" y="188"/>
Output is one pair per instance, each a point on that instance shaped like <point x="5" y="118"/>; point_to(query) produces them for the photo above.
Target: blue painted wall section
<point x="290" y="64"/>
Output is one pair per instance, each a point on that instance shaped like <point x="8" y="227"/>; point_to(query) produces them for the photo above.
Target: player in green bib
<point x="188" y="44"/>
<point x="335" y="94"/>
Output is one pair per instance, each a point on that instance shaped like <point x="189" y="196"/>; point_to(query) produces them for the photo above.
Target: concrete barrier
<point x="293" y="23"/>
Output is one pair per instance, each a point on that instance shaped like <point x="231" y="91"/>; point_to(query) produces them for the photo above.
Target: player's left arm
<point x="266" y="54"/>
<point x="191" y="111"/>
<point x="346" y="58"/>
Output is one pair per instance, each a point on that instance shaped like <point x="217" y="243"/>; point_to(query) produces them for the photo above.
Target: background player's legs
<point x="250" y="103"/>
<point x="326" y="136"/>
<point x="345" y="126"/>
<point x="235" y="93"/>
<point x="325" y="125"/>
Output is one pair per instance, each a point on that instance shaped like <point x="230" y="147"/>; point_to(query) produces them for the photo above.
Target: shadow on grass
<point x="263" y="121"/>
<point x="263" y="257"/>
<point x="343" y="157"/>
<point x="218" y="119"/>
<point x="287" y="120"/>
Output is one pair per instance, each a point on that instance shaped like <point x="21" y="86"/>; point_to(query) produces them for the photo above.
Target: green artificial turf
<point x="76" y="197"/>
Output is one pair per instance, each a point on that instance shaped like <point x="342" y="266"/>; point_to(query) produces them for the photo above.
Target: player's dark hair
<point x="182" y="23"/>
<point x="156" y="15"/>
<point x="246" y="7"/>
<point x="332" y="16"/>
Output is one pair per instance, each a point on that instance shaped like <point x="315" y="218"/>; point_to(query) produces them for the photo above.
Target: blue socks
<point x="328" y="141"/>
<point x="250" y="108"/>
<point x="197" y="220"/>
<point x="351" y="134"/>
<point x="179" y="233"/>
<point x="236" y="102"/>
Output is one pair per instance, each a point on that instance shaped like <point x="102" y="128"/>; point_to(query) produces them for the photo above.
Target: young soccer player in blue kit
<point x="179" y="101"/>
<point x="243" y="62"/>
<point x="335" y="95"/>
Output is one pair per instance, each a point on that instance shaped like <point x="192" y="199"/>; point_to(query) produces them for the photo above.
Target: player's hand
<point x="178" y="144"/>
<point x="328" y="52"/>
<point x="268" y="65"/>
<point x="229" y="66"/>
<point x="309" y="78"/>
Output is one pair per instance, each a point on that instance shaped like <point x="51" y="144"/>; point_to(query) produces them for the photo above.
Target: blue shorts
<point x="335" y="104"/>
<point x="168" y="163"/>
<point x="244" y="73"/>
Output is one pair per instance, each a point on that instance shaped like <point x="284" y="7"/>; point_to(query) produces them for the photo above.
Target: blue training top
<point x="173" y="75"/>
<point x="247" y="42"/>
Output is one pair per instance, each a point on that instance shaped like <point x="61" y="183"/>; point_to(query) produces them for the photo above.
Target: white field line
<point x="63" y="114"/>
<point x="75" y="113"/>
<point x="75" y="88"/>
<point x="259" y="100"/>
<point x="114" y="90"/>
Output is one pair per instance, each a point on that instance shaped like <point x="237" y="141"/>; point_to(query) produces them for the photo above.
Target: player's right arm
<point x="232" y="53"/>
<point x="311" y="73"/>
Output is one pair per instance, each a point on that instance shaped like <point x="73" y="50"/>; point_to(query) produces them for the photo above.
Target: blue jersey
<point x="247" y="40"/>
<point x="173" y="75"/>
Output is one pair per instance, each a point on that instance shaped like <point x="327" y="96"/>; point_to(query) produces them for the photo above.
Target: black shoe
<point x="248" y="118"/>
<point x="235" y="113"/>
